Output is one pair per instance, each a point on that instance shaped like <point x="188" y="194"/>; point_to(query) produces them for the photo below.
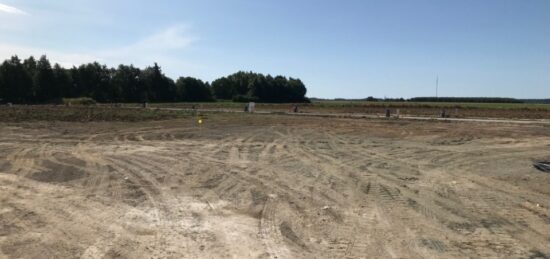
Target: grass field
<point x="434" y="105"/>
<point x="85" y="114"/>
<point x="156" y="111"/>
<point x="430" y="109"/>
<point x="366" y="104"/>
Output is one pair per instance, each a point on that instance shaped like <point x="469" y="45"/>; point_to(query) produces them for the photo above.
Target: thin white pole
<point x="437" y="87"/>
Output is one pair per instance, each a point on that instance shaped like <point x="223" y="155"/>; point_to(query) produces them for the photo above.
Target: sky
<point x="340" y="49"/>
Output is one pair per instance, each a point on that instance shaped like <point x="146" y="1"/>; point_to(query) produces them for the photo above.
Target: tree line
<point x="249" y="86"/>
<point x="441" y="99"/>
<point x="38" y="81"/>
<point x="466" y="99"/>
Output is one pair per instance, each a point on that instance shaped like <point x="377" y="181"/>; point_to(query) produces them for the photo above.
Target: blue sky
<point x="352" y="49"/>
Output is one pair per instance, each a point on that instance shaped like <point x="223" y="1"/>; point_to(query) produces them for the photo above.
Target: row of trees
<point x="442" y="99"/>
<point x="257" y="87"/>
<point x="465" y="99"/>
<point x="37" y="81"/>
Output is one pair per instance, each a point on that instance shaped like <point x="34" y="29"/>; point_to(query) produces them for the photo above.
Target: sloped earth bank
<point x="246" y="186"/>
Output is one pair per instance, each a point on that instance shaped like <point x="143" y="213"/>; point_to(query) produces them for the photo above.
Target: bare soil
<point x="266" y="186"/>
<point x="452" y="110"/>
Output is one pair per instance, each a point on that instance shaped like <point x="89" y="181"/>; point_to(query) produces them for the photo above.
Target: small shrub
<point x="79" y="101"/>
<point x="243" y="99"/>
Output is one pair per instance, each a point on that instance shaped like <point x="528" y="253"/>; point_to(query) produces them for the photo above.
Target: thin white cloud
<point x="163" y="44"/>
<point x="63" y="58"/>
<point x="10" y="9"/>
<point x="164" y="47"/>
<point x="175" y="37"/>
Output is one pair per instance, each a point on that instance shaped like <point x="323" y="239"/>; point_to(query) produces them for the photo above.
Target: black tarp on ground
<point x="542" y="166"/>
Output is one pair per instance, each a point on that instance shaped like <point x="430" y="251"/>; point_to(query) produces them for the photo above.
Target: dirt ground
<point x="452" y="110"/>
<point x="265" y="186"/>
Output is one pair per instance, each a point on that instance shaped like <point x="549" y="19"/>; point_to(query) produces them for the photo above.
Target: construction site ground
<point x="274" y="186"/>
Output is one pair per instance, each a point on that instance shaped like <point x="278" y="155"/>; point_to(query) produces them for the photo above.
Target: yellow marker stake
<point x="200" y="121"/>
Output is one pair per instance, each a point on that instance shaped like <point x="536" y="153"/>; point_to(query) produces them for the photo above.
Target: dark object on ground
<point x="388" y="113"/>
<point x="295" y="109"/>
<point x="542" y="166"/>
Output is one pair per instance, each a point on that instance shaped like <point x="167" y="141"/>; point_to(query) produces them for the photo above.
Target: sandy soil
<point x="245" y="186"/>
<point x="458" y="110"/>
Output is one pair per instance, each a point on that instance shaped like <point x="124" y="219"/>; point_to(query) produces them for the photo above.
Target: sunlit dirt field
<point x="266" y="186"/>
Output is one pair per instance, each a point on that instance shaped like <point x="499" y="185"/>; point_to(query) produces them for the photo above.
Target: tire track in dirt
<point x="308" y="191"/>
<point x="269" y="230"/>
<point x="386" y="194"/>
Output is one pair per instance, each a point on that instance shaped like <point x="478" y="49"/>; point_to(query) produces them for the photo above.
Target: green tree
<point x="37" y="81"/>
<point x="158" y="87"/>
<point x="62" y="81"/>
<point x="222" y="89"/>
<point x="30" y="66"/>
<point x="192" y="89"/>
<point x="254" y="86"/>
<point x="93" y="80"/>
<point x="128" y="80"/>
<point x="15" y="82"/>
<point x="296" y="90"/>
<point x="45" y="88"/>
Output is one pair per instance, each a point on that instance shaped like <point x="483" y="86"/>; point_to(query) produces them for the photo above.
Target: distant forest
<point x="37" y="81"/>
<point x="466" y="99"/>
<point x="442" y="100"/>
